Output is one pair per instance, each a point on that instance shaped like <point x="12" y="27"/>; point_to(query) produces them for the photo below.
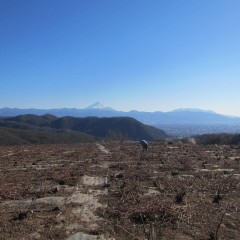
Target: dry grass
<point x="171" y="191"/>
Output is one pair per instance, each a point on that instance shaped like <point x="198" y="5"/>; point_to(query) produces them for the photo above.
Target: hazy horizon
<point x="110" y="108"/>
<point x="132" y="55"/>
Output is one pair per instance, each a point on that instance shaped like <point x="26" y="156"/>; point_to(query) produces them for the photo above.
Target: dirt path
<point x="115" y="191"/>
<point x="70" y="202"/>
<point x="102" y="148"/>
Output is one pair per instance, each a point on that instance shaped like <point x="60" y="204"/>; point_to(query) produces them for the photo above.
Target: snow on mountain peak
<point x="98" y="105"/>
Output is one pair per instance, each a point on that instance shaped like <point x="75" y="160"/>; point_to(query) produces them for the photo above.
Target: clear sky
<point x="150" y="55"/>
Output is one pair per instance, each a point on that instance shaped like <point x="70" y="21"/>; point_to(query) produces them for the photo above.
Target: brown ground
<point x="117" y="191"/>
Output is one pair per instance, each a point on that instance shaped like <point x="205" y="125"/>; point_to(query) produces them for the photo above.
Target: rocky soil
<point x="113" y="190"/>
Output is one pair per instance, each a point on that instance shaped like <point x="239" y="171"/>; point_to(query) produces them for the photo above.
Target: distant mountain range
<point x="178" y="116"/>
<point x="48" y="129"/>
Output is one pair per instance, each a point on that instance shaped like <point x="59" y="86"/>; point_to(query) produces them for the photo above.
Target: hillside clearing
<point x="113" y="190"/>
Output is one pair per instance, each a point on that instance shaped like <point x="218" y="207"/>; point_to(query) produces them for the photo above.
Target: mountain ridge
<point x="104" y="127"/>
<point x="182" y="116"/>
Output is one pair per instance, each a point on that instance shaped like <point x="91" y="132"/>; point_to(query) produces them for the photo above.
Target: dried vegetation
<point x="117" y="191"/>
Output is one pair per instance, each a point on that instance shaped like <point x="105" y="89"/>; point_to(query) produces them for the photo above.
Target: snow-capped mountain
<point x="100" y="106"/>
<point x="178" y="116"/>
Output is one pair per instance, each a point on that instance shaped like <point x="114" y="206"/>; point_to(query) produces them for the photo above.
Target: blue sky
<point x="150" y="55"/>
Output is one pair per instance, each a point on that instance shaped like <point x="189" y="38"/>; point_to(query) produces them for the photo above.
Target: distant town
<point x="190" y="130"/>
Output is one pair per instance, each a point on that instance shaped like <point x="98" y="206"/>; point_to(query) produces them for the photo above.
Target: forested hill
<point x="116" y="127"/>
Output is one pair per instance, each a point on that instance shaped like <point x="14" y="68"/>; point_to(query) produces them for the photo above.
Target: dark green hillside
<point x="99" y="127"/>
<point x="10" y="136"/>
<point x="40" y="121"/>
<point x="222" y="138"/>
<point x="17" y="125"/>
